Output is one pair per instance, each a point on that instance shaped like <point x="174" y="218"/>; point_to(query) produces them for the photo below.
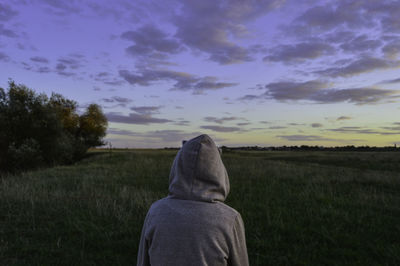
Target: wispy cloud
<point x="221" y="128"/>
<point x="134" y="118"/>
<point x="319" y="92"/>
<point x="183" y="81"/>
<point x="343" y="117"/>
<point x="146" y="109"/>
<point x="304" y="138"/>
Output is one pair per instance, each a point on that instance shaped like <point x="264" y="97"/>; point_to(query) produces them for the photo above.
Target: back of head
<point x="198" y="172"/>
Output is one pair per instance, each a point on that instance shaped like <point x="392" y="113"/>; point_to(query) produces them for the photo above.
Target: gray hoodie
<point x="192" y="226"/>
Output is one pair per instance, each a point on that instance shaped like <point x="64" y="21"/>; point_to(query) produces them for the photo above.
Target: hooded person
<point x="192" y="225"/>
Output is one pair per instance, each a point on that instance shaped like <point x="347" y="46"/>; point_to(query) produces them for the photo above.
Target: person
<point x="192" y="225"/>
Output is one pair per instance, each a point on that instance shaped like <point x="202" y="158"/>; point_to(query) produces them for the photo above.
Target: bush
<point x="36" y="130"/>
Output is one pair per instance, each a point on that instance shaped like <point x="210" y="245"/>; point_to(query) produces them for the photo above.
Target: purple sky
<point x="246" y="72"/>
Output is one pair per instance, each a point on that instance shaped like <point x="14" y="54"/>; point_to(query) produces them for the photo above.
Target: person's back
<point x="192" y="226"/>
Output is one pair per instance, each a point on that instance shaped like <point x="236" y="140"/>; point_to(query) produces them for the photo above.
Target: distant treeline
<point x="312" y="148"/>
<point x="36" y="130"/>
<point x="305" y="148"/>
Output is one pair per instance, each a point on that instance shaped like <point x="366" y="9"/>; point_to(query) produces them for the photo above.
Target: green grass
<point x="299" y="208"/>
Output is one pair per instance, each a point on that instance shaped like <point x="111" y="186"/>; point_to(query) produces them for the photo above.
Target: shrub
<point x="36" y="130"/>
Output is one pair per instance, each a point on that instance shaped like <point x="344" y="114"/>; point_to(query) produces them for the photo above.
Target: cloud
<point x="182" y="122"/>
<point x="225" y="20"/>
<point x="183" y="81"/>
<point x="134" y="118"/>
<point x="243" y="124"/>
<point x="360" y="43"/>
<point x="362" y="65"/>
<point x="61" y="8"/>
<point x="172" y="135"/>
<point x="70" y="62"/>
<point x="322" y="18"/>
<point x="107" y="78"/>
<point x="319" y="92"/>
<point x="360" y="130"/>
<point x="341" y="118"/>
<point x="157" y="135"/>
<point x="355" y="95"/>
<point x="121" y="101"/>
<point x="304" y="138"/>
<point x="4" y="57"/>
<point x="220" y="120"/>
<point x="6" y="12"/>
<point x="146" y="109"/>
<point x="299" y="52"/>
<point x="316" y="125"/>
<point x="221" y="128"/>
<point x="392" y="49"/>
<point x="123" y="132"/>
<point x="277" y="127"/>
<point x="7" y="32"/>
<point x="150" y="40"/>
<point x="293" y="90"/>
<point x="39" y="59"/>
<point x="61" y="67"/>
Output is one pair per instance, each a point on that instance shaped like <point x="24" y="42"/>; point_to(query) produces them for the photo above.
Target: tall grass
<point x="298" y="208"/>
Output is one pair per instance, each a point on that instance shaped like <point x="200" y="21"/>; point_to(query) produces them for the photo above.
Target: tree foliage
<point x="36" y="130"/>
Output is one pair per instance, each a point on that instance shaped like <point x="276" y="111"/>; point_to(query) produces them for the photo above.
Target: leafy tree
<point x="36" y="130"/>
<point x="93" y="126"/>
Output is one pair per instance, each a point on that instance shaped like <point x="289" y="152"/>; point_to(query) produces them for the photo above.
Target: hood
<point x="198" y="172"/>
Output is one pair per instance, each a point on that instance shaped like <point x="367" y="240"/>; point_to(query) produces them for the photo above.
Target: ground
<point x="299" y="208"/>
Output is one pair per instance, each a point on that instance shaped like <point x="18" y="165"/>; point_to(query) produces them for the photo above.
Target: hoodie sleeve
<point x="143" y="252"/>
<point x="238" y="253"/>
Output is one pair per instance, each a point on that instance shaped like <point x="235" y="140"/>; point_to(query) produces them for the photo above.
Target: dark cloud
<point x="72" y="63"/>
<point x="134" y="118"/>
<point x="333" y="15"/>
<point x="319" y="92"/>
<point x="183" y="81"/>
<point x="220" y="120"/>
<point x="107" y="78"/>
<point x="4" y="57"/>
<point x="117" y="99"/>
<point x="221" y="128"/>
<point x="283" y="91"/>
<point x="225" y="19"/>
<point x="356" y="95"/>
<point x="341" y="118"/>
<point x="146" y="109"/>
<point x="7" y="32"/>
<point x="299" y="52"/>
<point x="39" y="59"/>
<point x="392" y="49"/>
<point x="150" y="40"/>
<point x="304" y="138"/>
<point x="6" y="12"/>
<point x="60" y="67"/>
<point x="316" y="125"/>
<point x="182" y="122"/>
<point x="243" y="124"/>
<point x="363" y="65"/>
<point x="360" y="43"/>
<point x="60" y="7"/>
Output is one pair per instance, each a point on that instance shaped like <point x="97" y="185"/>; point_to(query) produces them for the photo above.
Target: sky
<point x="246" y="72"/>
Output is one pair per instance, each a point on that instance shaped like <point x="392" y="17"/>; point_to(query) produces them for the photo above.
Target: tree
<point x="93" y="126"/>
<point x="36" y="130"/>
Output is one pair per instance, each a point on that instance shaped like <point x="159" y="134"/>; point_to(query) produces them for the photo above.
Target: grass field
<point x="299" y="208"/>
